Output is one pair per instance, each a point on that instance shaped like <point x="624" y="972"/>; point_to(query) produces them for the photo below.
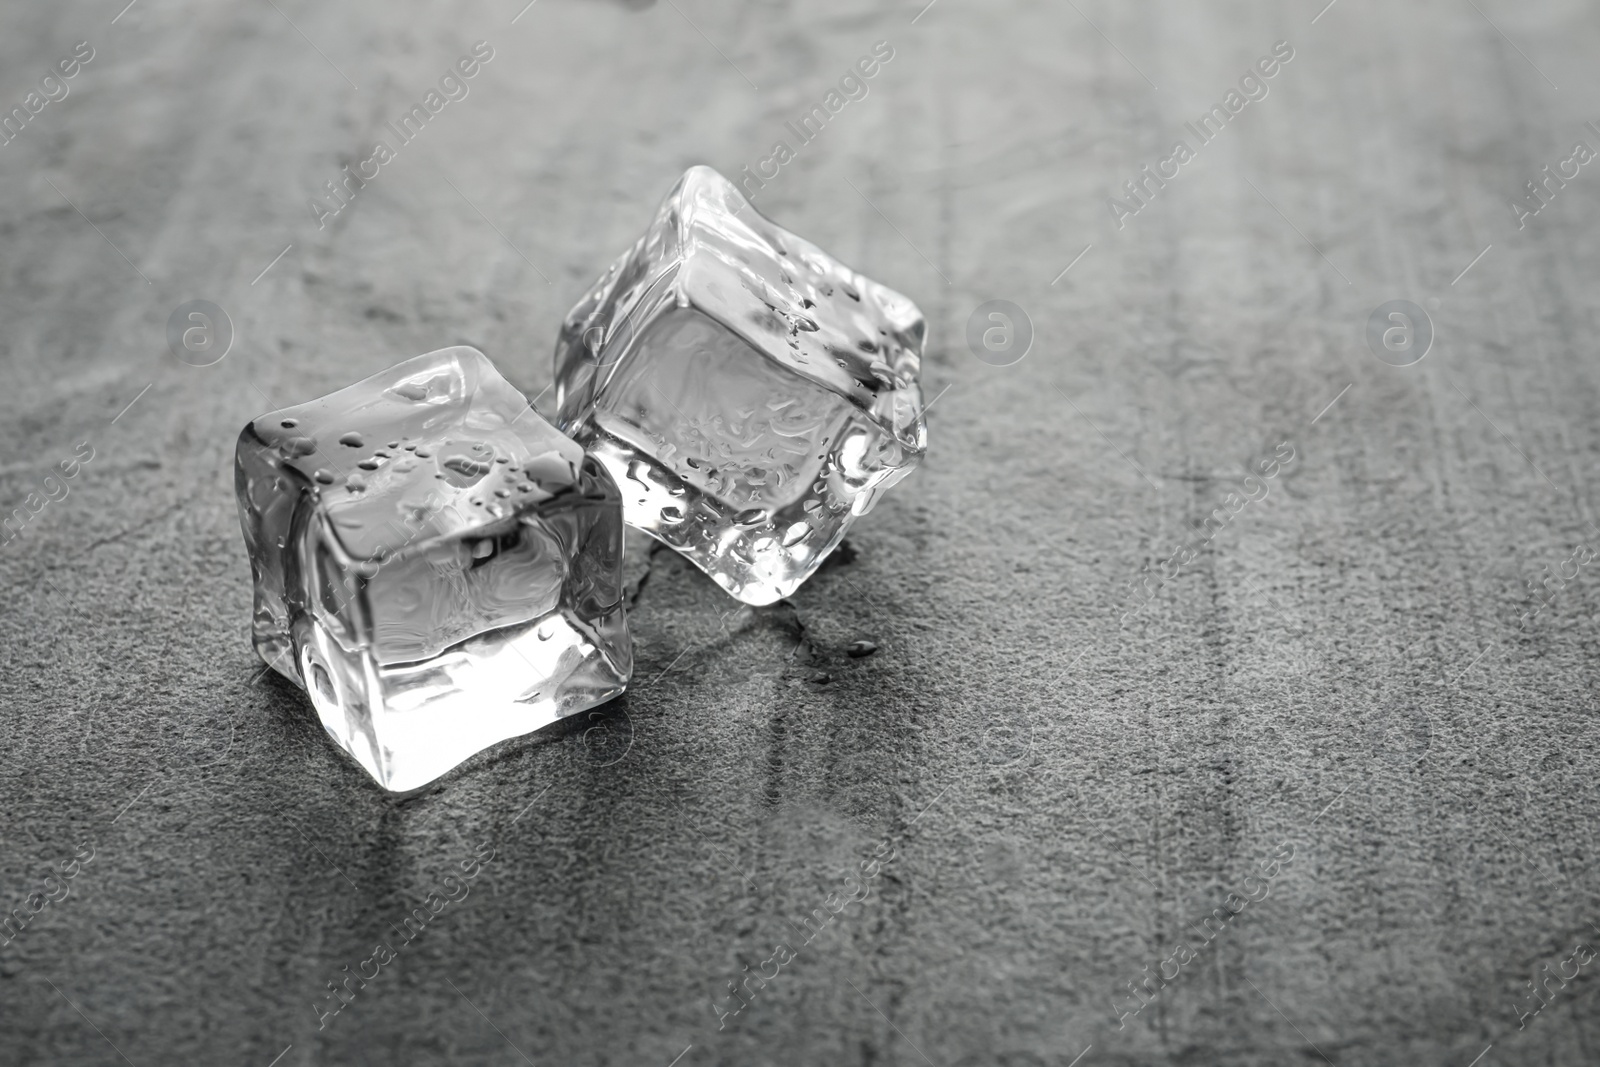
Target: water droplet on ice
<point x="323" y="477"/>
<point x="467" y="467"/>
<point x="752" y="517"/>
<point x="351" y="440"/>
<point x="795" y="534"/>
<point x="671" y="515"/>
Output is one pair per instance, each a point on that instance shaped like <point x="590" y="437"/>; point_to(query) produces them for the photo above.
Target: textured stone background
<point x="1068" y="793"/>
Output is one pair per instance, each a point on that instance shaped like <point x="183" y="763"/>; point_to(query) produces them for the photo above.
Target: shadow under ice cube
<point x="434" y="564"/>
<point x="750" y="394"/>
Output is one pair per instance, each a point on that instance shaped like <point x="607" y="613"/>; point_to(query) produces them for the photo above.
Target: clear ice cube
<point x="434" y="564"/>
<point x="750" y="394"/>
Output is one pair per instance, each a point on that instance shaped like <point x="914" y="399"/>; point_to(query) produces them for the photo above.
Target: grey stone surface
<point x="1068" y="793"/>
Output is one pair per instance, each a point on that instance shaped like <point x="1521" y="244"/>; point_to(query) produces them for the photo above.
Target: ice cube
<point x="434" y="564"/>
<point x="750" y="394"/>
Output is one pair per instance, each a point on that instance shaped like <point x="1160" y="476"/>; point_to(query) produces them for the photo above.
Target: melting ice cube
<point x="750" y="394"/>
<point x="434" y="564"/>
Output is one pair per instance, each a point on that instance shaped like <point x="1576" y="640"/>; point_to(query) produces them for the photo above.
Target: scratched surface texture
<point x="1160" y="758"/>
